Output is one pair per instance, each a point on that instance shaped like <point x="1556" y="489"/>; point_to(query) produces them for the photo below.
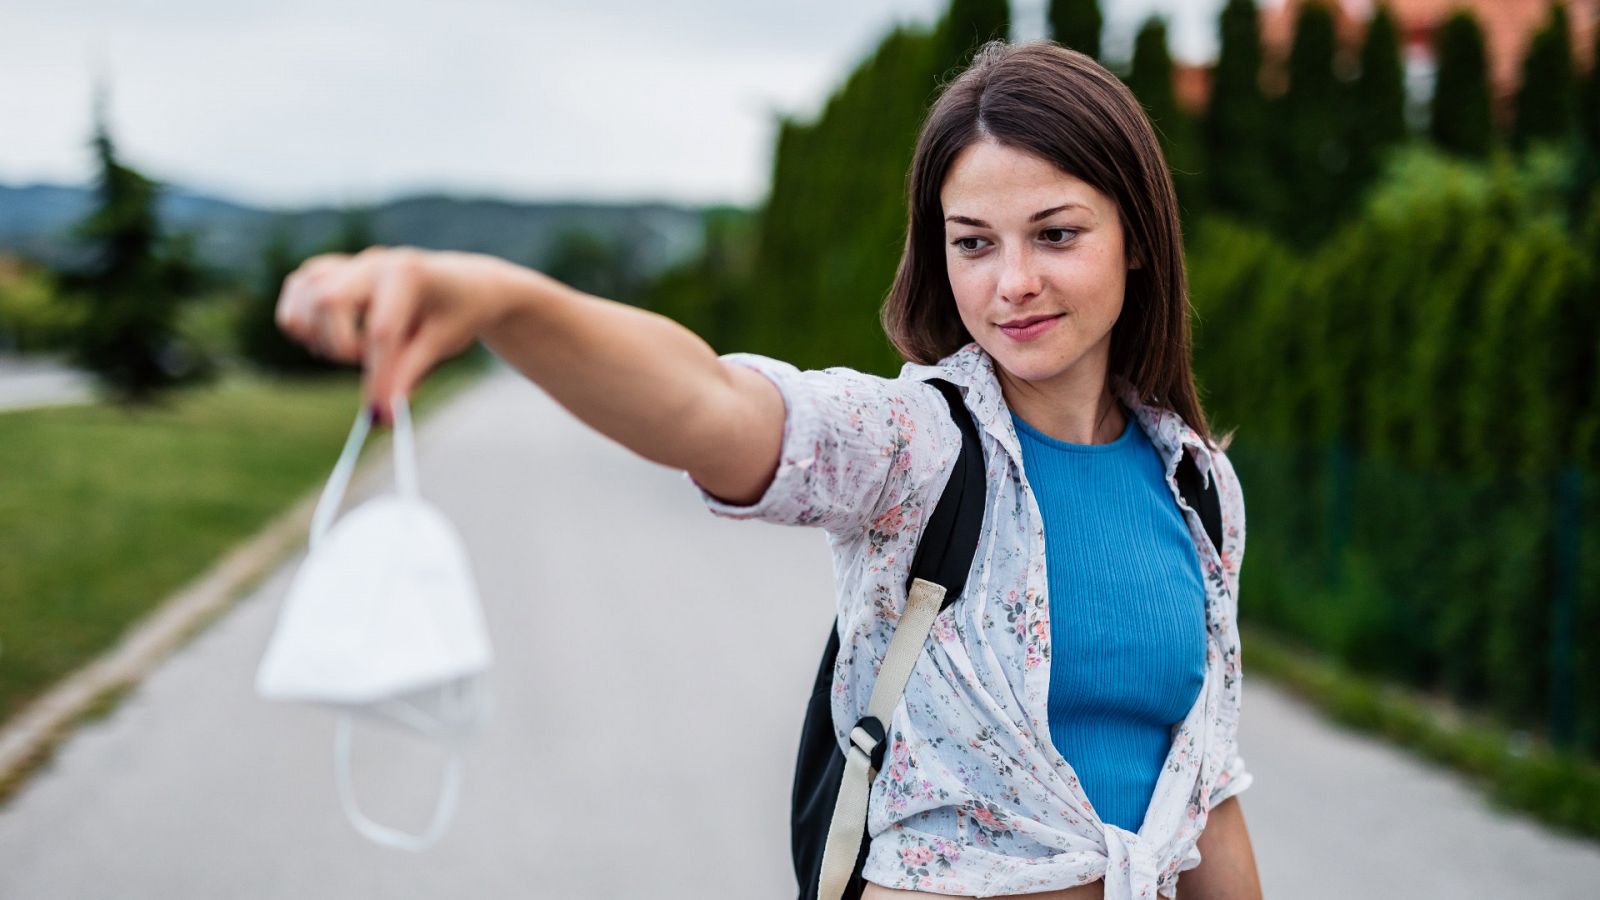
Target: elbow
<point x="735" y="436"/>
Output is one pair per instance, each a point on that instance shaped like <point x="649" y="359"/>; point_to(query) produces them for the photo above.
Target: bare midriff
<point x="1094" y="890"/>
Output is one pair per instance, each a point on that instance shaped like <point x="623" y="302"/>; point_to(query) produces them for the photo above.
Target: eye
<point x="1066" y="235"/>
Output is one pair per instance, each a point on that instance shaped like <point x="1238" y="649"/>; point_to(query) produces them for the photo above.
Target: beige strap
<point x="850" y="811"/>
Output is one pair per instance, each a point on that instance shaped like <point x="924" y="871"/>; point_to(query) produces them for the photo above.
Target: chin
<point x="1040" y="363"/>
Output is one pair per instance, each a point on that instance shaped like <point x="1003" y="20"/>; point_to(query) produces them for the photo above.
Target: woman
<point x="1069" y="729"/>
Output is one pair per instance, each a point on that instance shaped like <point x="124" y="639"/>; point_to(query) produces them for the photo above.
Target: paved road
<point x="27" y="382"/>
<point x="644" y="734"/>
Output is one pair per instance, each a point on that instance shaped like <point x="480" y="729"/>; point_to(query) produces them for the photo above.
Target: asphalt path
<point x="27" y="382"/>
<point x="652" y="664"/>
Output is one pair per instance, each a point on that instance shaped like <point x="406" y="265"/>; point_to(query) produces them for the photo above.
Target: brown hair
<point x="1060" y="105"/>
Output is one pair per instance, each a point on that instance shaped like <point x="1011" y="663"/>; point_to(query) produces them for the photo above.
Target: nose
<point x="1019" y="275"/>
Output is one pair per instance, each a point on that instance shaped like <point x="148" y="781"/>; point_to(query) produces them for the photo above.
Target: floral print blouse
<point x="974" y="798"/>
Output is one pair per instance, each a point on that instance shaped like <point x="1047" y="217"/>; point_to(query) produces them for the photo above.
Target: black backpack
<point x="944" y="556"/>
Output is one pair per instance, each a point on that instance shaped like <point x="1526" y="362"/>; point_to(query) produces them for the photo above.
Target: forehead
<point x="988" y="179"/>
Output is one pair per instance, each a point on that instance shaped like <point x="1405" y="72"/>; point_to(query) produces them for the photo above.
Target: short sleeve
<point x="854" y="446"/>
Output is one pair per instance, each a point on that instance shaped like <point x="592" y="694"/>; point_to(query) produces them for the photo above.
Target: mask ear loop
<point x="405" y="449"/>
<point x="333" y="493"/>
<point x="405" y="465"/>
<point x="461" y="701"/>
<point x="443" y="811"/>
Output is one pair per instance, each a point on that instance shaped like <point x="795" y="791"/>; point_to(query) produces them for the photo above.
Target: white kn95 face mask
<point x="382" y="620"/>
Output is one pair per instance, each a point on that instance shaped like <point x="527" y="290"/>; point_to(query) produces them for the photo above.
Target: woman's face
<point x="1024" y="241"/>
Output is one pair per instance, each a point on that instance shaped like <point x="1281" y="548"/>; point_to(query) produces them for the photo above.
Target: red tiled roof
<point x="1191" y="84"/>
<point x="1508" y="26"/>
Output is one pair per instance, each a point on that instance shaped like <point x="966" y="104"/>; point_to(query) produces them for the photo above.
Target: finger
<point x="418" y="358"/>
<point x="391" y="321"/>
<point x="297" y="307"/>
<point x="294" y="312"/>
<point x="323" y="262"/>
<point x="336" y="299"/>
<point x="342" y="299"/>
<point x="342" y="336"/>
<point x="287" y="312"/>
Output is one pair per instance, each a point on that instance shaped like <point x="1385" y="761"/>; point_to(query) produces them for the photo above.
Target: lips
<point x="1023" y="323"/>
<point x="1029" y="328"/>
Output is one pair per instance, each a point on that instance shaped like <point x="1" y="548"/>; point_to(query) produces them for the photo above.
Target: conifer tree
<point x="1591" y="99"/>
<point x="1585" y="189"/>
<point x="260" y="338"/>
<point x="1077" y="24"/>
<point x="135" y="284"/>
<point x="710" y="292"/>
<point x="595" y="263"/>
<point x="355" y="232"/>
<point x="1310" y="147"/>
<point x="1461" y="120"/>
<point x="970" y="23"/>
<point x="830" y="236"/>
<point x="1150" y="77"/>
<point x="1378" y="120"/>
<point x="1235" y="127"/>
<point x="1547" y="100"/>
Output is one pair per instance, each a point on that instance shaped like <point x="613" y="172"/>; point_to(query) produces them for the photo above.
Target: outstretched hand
<point x="398" y="311"/>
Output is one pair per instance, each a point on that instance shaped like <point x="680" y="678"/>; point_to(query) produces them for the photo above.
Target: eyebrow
<point x="1041" y="214"/>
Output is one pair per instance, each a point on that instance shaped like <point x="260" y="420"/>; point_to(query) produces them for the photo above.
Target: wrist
<point x="514" y="296"/>
<point x="489" y="292"/>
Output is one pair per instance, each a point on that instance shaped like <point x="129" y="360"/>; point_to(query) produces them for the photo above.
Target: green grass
<point x="105" y="511"/>
<point x="1518" y="771"/>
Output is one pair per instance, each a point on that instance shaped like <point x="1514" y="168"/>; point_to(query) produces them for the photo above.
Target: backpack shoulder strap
<point x="1203" y="501"/>
<point x="938" y="576"/>
<point x="950" y="540"/>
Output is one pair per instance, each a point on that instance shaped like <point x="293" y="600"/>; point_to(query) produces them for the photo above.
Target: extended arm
<point x="635" y="376"/>
<point x="643" y="380"/>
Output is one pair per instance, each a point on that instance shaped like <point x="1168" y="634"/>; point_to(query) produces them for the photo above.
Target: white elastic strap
<point x="405" y="476"/>
<point x="405" y="448"/>
<point x="405" y="465"/>
<point x="444" y="809"/>
<point x="333" y="493"/>
<point x="850" y="811"/>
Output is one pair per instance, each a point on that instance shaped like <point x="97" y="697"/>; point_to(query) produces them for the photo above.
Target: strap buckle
<point x="868" y="737"/>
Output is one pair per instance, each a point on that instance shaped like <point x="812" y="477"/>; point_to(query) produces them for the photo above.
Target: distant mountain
<point x="35" y="221"/>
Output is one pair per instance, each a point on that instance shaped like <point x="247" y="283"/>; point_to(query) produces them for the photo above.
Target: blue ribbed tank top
<point x="1127" y="612"/>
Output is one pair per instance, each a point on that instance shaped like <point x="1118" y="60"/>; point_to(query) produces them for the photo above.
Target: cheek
<point x="1102" y="281"/>
<point x="963" y="272"/>
<point x="1090" y="280"/>
<point x="970" y="286"/>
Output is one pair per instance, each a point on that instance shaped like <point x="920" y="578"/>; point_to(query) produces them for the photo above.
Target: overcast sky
<point x="291" y="102"/>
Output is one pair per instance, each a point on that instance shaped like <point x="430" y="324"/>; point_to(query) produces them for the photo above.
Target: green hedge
<point x="1417" y="410"/>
